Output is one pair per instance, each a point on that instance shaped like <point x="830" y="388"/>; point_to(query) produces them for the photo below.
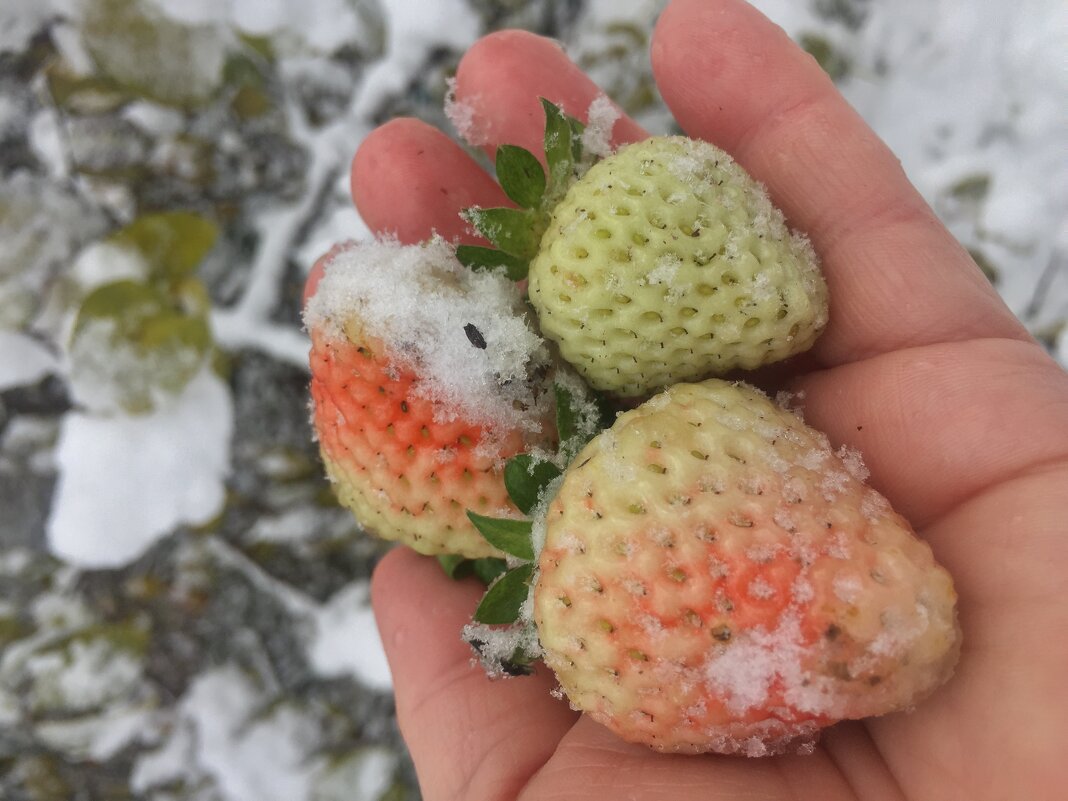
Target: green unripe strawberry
<point x="664" y="262"/>
<point x="667" y="262"/>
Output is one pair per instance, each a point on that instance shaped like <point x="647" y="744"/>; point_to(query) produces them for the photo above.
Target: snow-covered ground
<point x="181" y="543"/>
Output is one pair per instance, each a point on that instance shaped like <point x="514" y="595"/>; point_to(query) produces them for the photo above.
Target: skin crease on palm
<point x="961" y="416"/>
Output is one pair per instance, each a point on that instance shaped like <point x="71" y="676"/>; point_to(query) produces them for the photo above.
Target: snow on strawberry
<point x="663" y="262"/>
<point x="426" y="377"/>
<point x="715" y="578"/>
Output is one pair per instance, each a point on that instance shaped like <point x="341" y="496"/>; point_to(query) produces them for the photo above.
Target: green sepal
<point x="488" y="568"/>
<point x="515" y="231"/>
<point x="480" y="259"/>
<point x="519" y="664"/>
<point x="459" y="567"/>
<point x="520" y="175"/>
<point x="577" y="128"/>
<point x="525" y="479"/>
<point x="566" y="414"/>
<point x="559" y="148"/>
<point x="510" y="536"/>
<point x="452" y="564"/>
<point x="503" y="599"/>
<point x="573" y="425"/>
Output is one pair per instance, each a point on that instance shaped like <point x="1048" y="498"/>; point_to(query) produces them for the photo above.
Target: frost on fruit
<point x="422" y="304"/>
<point x="716" y="577"/>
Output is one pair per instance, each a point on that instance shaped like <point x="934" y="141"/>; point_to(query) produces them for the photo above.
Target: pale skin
<point x="961" y="416"/>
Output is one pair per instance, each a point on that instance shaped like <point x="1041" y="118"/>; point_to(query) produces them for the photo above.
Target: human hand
<point x="962" y="418"/>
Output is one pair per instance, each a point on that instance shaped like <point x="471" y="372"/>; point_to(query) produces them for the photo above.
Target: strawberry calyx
<point x="514" y="233"/>
<point x="504" y="637"/>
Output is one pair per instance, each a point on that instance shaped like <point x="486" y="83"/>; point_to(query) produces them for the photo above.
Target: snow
<point x="418" y="300"/>
<point x="600" y="119"/>
<point x="366" y="775"/>
<point x="895" y="637"/>
<point x="496" y="645"/>
<point x="127" y="480"/>
<point x="322" y="25"/>
<point x="154" y="119"/>
<point x="959" y="89"/>
<point x="413" y="29"/>
<point x="21" y="19"/>
<point x="461" y="113"/>
<point x="346" y="639"/>
<point x="107" y="373"/>
<point x="339" y="225"/>
<point x="756" y="660"/>
<point x="847" y="587"/>
<point x="223" y="730"/>
<point x="83" y="676"/>
<point x="47" y="142"/>
<point x="25" y="360"/>
<point x="760" y="589"/>
<point x="97" y="737"/>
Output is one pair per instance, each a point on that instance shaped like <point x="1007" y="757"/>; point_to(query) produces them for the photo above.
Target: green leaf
<point x="577" y="425"/>
<point x="512" y="230"/>
<point x="559" y="153"/>
<point x="518" y="664"/>
<point x="485" y="570"/>
<point x="163" y="345"/>
<point x="149" y="53"/>
<point x="173" y="242"/>
<point x="83" y="94"/>
<point x="479" y="258"/>
<point x="488" y="568"/>
<point x="577" y="127"/>
<point x="566" y="415"/>
<point x="502" y="601"/>
<point x="452" y="564"/>
<point x="511" y="536"/>
<point x="520" y="175"/>
<point x="144" y="316"/>
<point x="128" y="303"/>
<point x="525" y="479"/>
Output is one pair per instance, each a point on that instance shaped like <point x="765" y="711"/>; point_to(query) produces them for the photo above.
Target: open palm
<point x="962" y="418"/>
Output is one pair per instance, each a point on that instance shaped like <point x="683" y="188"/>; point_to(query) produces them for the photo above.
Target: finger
<point x="411" y="180"/>
<point x="501" y="78"/>
<point x="615" y="769"/>
<point x="315" y="274"/>
<point x="897" y="278"/>
<point x="935" y="424"/>
<point x="469" y="737"/>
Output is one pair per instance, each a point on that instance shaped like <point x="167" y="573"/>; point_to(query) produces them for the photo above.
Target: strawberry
<point x="714" y="577"/>
<point x="426" y="377"/>
<point x="664" y="262"/>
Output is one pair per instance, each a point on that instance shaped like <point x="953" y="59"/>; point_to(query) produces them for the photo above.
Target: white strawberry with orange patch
<point x="713" y="577"/>
<point x="426" y="377"/>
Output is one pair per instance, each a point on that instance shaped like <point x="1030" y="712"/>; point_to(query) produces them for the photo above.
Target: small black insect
<point x="475" y="336"/>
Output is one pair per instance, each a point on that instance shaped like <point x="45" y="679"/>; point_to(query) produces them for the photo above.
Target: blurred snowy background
<point x="183" y="609"/>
